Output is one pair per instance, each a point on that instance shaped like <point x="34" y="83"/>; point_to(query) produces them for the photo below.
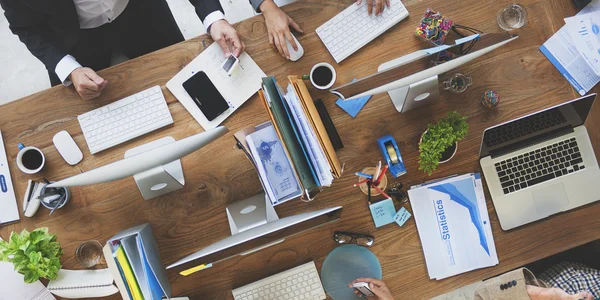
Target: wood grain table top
<point x="218" y="174"/>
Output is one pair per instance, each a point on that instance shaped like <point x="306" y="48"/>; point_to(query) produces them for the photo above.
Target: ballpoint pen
<point x="361" y="174"/>
<point x="376" y="175"/>
<point x="369" y="191"/>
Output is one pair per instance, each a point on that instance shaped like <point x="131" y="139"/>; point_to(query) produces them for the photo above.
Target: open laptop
<point x="541" y="164"/>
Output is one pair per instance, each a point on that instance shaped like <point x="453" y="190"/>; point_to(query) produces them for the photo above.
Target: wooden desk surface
<point x="191" y="218"/>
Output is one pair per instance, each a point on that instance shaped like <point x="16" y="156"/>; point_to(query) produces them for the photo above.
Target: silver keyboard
<point x="125" y="119"/>
<point x="301" y="282"/>
<point x="353" y="28"/>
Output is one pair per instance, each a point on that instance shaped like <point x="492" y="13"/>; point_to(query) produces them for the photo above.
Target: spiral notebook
<point x="83" y="284"/>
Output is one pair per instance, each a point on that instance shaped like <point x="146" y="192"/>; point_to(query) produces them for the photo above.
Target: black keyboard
<point x="523" y="127"/>
<point x="540" y="165"/>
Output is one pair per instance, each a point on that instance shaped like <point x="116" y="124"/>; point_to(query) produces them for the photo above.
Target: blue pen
<point x="361" y="174"/>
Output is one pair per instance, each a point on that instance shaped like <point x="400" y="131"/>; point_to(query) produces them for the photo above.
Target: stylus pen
<point x="361" y="174"/>
<point x="381" y="174"/>
<point x="381" y="192"/>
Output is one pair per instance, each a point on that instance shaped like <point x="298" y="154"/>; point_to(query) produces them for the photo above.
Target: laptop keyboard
<point x="523" y="127"/>
<point x="539" y="165"/>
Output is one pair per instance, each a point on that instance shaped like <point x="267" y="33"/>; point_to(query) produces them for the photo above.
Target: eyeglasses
<point x="342" y="237"/>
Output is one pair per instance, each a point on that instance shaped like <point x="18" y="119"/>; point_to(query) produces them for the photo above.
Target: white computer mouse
<point x="295" y="55"/>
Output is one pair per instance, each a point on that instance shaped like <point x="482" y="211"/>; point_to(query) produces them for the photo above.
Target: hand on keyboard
<point x="378" y="287"/>
<point x="379" y="5"/>
<point x="87" y="83"/>
<point x="278" y="25"/>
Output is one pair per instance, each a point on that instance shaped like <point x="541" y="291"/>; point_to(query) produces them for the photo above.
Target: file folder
<point x="137" y="247"/>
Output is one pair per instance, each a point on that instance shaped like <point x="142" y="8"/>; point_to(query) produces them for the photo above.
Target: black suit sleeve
<point x="32" y="29"/>
<point x="205" y="7"/>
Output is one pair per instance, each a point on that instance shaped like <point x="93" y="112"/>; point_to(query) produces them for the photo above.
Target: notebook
<point x="75" y="284"/>
<point x="9" y="212"/>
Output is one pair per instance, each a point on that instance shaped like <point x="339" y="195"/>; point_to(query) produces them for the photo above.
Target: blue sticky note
<point x="402" y="216"/>
<point x="352" y="107"/>
<point x="383" y="212"/>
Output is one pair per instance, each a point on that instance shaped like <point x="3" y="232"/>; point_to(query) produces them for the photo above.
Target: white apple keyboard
<point x="301" y="282"/>
<point x="294" y="55"/>
<point x="125" y="119"/>
<point x="353" y="28"/>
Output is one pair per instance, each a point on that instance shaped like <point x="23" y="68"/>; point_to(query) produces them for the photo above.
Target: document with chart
<point x="453" y="225"/>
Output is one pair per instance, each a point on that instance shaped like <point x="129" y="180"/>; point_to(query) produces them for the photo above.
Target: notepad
<point x="354" y="106"/>
<point x="383" y="212"/>
<point x="74" y="284"/>
<point x="9" y="211"/>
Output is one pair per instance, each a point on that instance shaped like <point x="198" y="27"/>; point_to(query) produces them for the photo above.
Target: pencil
<point x="381" y="174"/>
<point x="380" y="191"/>
<point x="361" y="174"/>
<point x="376" y="175"/>
<point x="361" y="182"/>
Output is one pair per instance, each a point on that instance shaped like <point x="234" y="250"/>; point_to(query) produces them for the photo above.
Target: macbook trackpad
<point x="550" y="200"/>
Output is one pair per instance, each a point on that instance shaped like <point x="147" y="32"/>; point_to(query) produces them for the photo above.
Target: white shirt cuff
<point x="64" y="68"/>
<point x="211" y="18"/>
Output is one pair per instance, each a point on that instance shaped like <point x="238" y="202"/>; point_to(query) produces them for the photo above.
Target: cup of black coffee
<point x="322" y="75"/>
<point x="30" y="159"/>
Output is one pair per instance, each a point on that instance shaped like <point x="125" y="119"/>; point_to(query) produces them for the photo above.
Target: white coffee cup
<point x="30" y="160"/>
<point x="322" y="77"/>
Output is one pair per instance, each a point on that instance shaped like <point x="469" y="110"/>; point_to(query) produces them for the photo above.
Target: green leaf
<point x="438" y="138"/>
<point x="35" y="254"/>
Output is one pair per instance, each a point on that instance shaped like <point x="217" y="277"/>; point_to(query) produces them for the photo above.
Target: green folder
<point x="295" y="148"/>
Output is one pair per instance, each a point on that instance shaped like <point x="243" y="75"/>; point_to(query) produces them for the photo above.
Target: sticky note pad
<point x="383" y="212"/>
<point x="402" y="216"/>
<point x="353" y="107"/>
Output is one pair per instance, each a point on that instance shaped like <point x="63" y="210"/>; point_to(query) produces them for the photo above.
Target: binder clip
<point x="391" y="153"/>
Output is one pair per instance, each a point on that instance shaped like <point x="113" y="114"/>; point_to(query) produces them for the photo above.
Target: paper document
<point x="273" y="165"/>
<point x="236" y="89"/>
<point x="560" y="49"/>
<point x="585" y="31"/>
<point x="13" y="285"/>
<point x="453" y="225"/>
<point x="9" y="212"/>
<point x="309" y="137"/>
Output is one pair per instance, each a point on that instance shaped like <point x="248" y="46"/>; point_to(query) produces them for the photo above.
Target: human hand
<point x="278" y="26"/>
<point x="379" y="5"/>
<point x="87" y="83"/>
<point x="224" y="34"/>
<point x="539" y="293"/>
<point x="378" y="287"/>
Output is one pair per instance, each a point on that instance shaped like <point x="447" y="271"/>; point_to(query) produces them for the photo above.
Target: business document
<point x="454" y="226"/>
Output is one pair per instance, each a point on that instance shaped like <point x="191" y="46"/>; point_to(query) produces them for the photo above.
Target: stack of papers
<point x="562" y="52"/>
<point x="454" y="226"/>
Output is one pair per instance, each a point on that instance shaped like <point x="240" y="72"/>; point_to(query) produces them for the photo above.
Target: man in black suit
<point x="75" y="37"/>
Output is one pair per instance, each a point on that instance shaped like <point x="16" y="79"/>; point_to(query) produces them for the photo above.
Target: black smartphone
<point x="205" y="95"/>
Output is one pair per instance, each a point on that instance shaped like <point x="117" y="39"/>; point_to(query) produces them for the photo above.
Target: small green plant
<point x="440" y="137"/>
<point x="35" y="255"/>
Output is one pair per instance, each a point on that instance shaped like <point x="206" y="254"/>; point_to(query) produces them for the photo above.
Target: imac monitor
<point x="411" y="78"/>
<point x="256" y="238"/>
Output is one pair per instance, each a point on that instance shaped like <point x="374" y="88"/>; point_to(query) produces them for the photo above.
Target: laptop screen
<point x="534" y="128"/>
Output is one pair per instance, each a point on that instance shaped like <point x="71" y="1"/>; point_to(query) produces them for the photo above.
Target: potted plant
<point x="439" y="142"/>
<point x="35" y="255"/>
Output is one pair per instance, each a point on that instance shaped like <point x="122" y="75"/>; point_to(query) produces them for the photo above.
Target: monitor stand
<point x="415" y="95"/>
<point x="251" y="213"/>
<point x="158" y="180"/>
